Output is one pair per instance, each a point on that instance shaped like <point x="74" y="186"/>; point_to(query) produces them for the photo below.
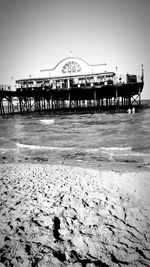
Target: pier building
<point x="74" y="85"/>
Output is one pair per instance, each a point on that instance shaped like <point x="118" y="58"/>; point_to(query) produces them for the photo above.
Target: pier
<point x="73" y="86"/>
<point x="110" y="97"/>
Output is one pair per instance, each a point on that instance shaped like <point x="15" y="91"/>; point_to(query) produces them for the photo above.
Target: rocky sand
<point x="56" y="215"/>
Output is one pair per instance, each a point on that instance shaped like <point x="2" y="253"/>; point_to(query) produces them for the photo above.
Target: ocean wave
<point x="128" y="148"/>
<point x="104" y="151"/>
<point x="108" y="149"/>
<point x="47" y="121"/>
<point x="87" y="150"/>
<point x="35" y="147"/>
<point x="121" y="152"/>
<point x="7" y="149"/>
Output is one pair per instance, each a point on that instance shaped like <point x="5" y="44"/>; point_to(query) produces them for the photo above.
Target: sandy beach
<point x="57" y="215"/>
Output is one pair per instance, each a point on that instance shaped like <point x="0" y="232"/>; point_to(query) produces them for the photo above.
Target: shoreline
<point x="73" y="216"/>
<point x="123" y="166"/>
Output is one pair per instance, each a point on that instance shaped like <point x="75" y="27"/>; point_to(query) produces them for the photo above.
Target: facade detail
<point x="71" y="67"/>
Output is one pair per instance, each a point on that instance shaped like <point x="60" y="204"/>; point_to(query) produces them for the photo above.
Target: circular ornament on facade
<point x="71" y="67"/>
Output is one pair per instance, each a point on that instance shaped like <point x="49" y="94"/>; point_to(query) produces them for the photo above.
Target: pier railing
<point x="48" y="85"/>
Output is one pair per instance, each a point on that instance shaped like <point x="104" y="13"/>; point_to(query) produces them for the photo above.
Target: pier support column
<point x="94" y="97"/>
<point x="139" y="97"/>
<point x="48" y="104"/>
<point x="44" y="105"/>
<point x="77" y="104"/>
<point x="1" y="107"/>
<point x="106" y="102"/>
<point x="30" y="105"/>
<point x="129" y="101"/>
<point x="69" y="96"/>
<point x="116" y="98"/>
<point x="20" y="104"/>
<point x="122" y="102"/>
<point x="52" y="101"/>
<point x="102" y="102"/>
<point x="63" y="103"/>
<point x="10" y="108"/>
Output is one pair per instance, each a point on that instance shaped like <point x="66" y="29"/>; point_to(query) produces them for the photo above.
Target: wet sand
<point x="57" y="215"/>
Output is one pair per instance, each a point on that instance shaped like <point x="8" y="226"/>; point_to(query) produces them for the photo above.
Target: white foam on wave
<point x="91" y="150"/>
<point x="128" y="148"/>
<point x="122" y="152"/>
<point x="109" y="149"/>
<point x="35" y="147"/>
<point x="7" y="149"/>
<point x="106" y="151"/>
<point x="47" y="121"/>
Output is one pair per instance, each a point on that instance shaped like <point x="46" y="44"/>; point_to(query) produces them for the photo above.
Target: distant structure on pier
<point x="5" y="87"/>
<point x="71" y="72"/>
<point x="74" y="85"/>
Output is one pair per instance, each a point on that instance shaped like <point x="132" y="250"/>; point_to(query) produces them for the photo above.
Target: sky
<point x="37" y="34"/>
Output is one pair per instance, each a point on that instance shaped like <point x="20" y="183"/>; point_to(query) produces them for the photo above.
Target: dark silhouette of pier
<point x="121" y="96"/>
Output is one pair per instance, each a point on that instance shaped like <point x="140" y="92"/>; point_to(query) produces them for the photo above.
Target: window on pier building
<point x="71" y="67"/>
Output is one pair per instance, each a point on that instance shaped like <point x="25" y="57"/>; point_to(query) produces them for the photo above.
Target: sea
<point x="97" y="140"/>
